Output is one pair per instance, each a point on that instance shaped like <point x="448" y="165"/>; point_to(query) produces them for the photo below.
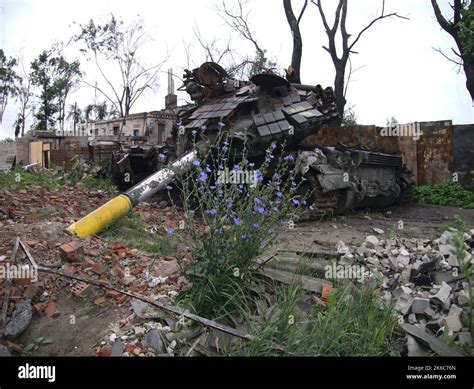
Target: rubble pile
<point x="39" y="217"/>
<point x="422" y="279"/>
<point x="149" y="332"/>
<point x="39" y="203"/>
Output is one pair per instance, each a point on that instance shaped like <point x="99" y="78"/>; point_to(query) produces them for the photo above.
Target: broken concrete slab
<point x="403" y="303"/>
<point x="415" y="348"/>
<point x="117" y="348"/>
<point x="310" y="284"/>
<point x="463" y="298"/>
<point x="372" y="241"/>
<point x="412" y="318"/>
<point x="20" y="320"/>
<point x="464" y="338"/>
<point x="435" y="344"/>
<point x="153" y="339"/>
<point x="453" y="322"/>
<point x="420" y="305"/>
<point x="443" y="296"/>
<point x="144" y="310"/>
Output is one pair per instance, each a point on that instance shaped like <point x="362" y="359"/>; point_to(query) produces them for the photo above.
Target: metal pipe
<point x="122" y="204"/>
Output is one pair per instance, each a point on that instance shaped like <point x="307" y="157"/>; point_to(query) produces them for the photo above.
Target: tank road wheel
<point x="323" y="204"/>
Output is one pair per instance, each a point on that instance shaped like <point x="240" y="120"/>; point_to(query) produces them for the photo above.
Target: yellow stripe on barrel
<point x="101" y="217"/>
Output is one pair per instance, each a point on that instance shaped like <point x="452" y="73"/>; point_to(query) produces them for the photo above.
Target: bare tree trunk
<point x="339" y="83"/>
<point x="451" y="26"/>
<point x="293" y="73"/>
<point x="340" y="61"/>
<point x="469" y="70"/>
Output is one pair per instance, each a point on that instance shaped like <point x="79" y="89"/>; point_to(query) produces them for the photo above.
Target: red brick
<point x="325" y="290"/>
<point x="122" y="299"/>
<point x="32" y="243"/>
<point x="81" y="289"/>
<point x="104" y="352"/>
<point x="129" y="348"/>
<point x="51" y="310"/>
<point x="14" y="347"/>
<point x="114" y="294"/>
<point x="100" y="300"/>
<point x="97" y="268"/>
<point x="71" y="251"/>
<point x="21" y="281"/>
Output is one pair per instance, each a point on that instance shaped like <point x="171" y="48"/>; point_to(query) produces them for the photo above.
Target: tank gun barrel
<point x="120" y="205"/>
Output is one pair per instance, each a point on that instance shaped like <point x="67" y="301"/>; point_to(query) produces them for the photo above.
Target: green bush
<point x="447" y="193"/>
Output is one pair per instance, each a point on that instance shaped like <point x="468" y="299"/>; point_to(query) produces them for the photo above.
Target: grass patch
<point x="352" y="325"/>
<point x="47" y="212"/>
<point x="131" y="231"/>
<point x="18" y="178"/>
<point x="447" y="193"/>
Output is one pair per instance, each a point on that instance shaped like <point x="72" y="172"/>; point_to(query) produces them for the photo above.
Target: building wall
<point x="156" y="125"/>
<point x="430" y="157"/>
<point x="7" y="154"/>
<point x="463" y="151"/>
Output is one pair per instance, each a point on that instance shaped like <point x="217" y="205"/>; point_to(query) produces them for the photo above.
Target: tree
<point x="24" y="95"/>
<point x="461" y="28"/>
<point x="91" y="113"/>
<point x="349" y="118"/>
<point x="55" y="77"/>
<point x="68" y="75"/>
<point x="122" y="47"/>
<point x="8" y="80"/>
<point x="341" y="60"/>
<point x="238" y="19"/>
<point x="294" y="70"/>
<point x="42" y="76"/>
<point x="75" y="114"/>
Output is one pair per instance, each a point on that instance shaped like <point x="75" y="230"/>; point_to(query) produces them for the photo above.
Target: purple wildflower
<point x="212" y="211"/>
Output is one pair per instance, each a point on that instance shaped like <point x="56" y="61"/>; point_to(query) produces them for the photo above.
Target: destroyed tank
<point x="268" y="110"/>
<point x="257" y="114"/>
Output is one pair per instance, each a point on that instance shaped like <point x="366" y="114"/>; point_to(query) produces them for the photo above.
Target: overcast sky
<point x="401" y="75"/>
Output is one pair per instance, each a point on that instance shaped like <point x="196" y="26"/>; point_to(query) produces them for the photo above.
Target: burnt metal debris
<point x="256" y="115"/>
<point x="264" y="110"/>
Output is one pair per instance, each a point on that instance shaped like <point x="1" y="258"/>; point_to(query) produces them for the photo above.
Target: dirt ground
<point x="419" y="221"/>
<point x="79" y="323"/>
